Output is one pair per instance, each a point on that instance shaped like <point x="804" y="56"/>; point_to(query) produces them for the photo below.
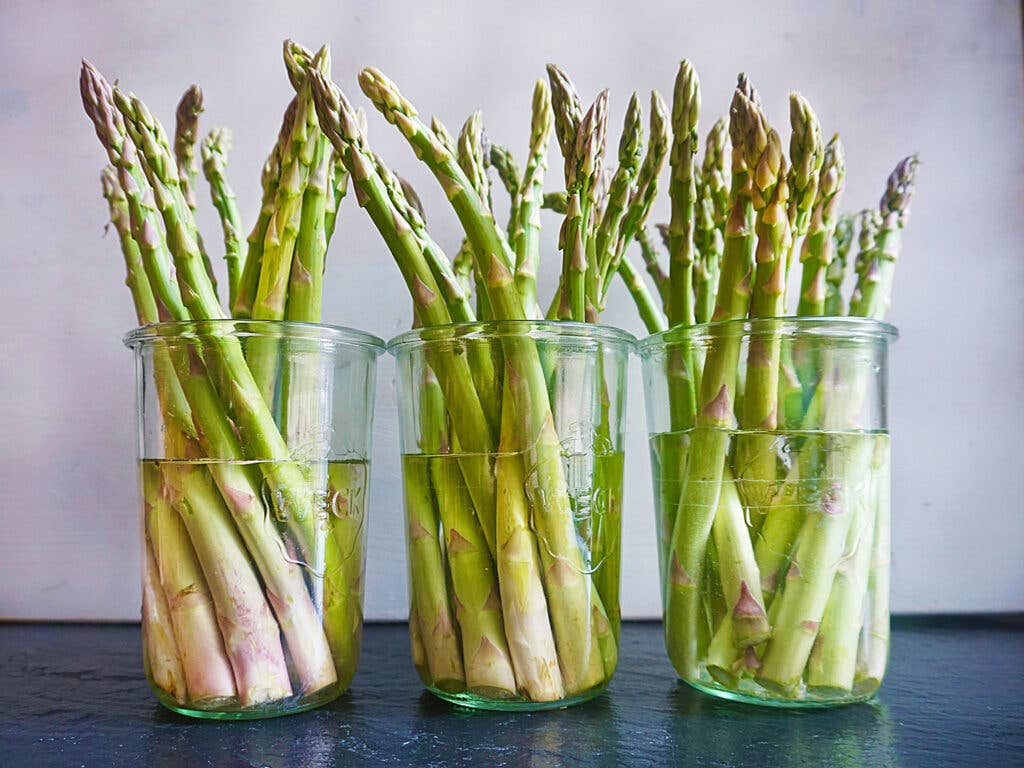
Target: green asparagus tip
<point x="744" y="86"/>
<point x="297" y="60"/>
<point x="715" y="146"/>
<point x="686" y="103"/>
<point x="384" y="94"/>
<point x="833" y="169"/>
<point x="899" y="189"/>
<point x="631" y="145"/>
<point x="215" y="148"/>
<point x="566" y="104"/>
<point x="338" y="120"/>
<point x="583" y="164"/>
<point x="805" y="153"/>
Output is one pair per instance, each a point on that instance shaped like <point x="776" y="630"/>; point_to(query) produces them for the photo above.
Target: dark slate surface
<point x="74" y="695"/>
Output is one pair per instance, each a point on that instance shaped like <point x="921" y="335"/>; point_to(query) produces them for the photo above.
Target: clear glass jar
<point x="770" y="456"/>
<point x="253" y="507"/>
<point x="512" y="448"/>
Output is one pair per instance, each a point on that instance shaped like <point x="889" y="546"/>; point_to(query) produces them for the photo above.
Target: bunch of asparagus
<point x="510" y="597"/>
<point x="239" y="610"/>
<point x="770" y="558"/>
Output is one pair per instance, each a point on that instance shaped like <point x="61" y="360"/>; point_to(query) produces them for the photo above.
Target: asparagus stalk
<point x="337" y="188"/>
<point x="500" y="158"/>
<point x="427" y="582"/>
<point x="207" y="671"/>
<point x="873" y="651"/>
<point x="871" y="296"/>
<point x="652" y="263"/>
<point x="771" y="196"/>
<point x="474" y="579"/>
<point x="842" y="240"/>
<point x="694" y="518"/>
<point x="215" y="150"/>
<point x="162" y="660"/>
<point x="639" y="207"/>
<point x="270" y="179"/>
<point x="582" y="170"/>
<point x="713" y="196"/>
<point x="631" y="146"/>
<point x="683" y="194"/>
<point x="250" y="634"/>
<point x="527" y="233"/>
<point x="817" y="250"/>
<point x="344" y="560"/>
<point x="305" y="281"/>
<point x="186" y="135"/>
<point x="870" y="222"/>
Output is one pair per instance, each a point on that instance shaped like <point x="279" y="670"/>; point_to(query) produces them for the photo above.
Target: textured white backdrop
<point x="942" y="78"/>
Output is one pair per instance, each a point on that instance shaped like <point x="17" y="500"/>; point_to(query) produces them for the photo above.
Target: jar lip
<point x="534" y="329"/>
<point x="281" y="329"/>
<point x="840" y="328"/>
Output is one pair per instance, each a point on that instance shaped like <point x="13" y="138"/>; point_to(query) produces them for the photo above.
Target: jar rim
<point x="238" y="328"/>
<point x="545" y="330"/>
<point x="843" y="328"/>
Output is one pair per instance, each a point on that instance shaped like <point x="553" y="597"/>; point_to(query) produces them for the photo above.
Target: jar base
<point x="472" y="701"/>
<point x="260" y="712"/>
<point x="741" y="697"/>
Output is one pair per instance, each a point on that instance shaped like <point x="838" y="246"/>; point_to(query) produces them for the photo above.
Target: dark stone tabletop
<point x="74" y="695"/>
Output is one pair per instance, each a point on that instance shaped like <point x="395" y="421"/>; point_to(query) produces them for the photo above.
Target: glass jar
<point x="253" y="505"/>
<point x="770" y="456"/>
<point x="512" y="450"/>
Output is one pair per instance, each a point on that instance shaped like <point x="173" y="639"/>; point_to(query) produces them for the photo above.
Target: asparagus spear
<point x="842" y="240"/>
<point x="298" y="160"/>
<point x="207" y="671"/>
<point x="870" y="222"/>
<point x="504" y="164"/>
<point x="710" y="218"/>
<point x="215" y="150"/>
<point x="873" y="651"/>
<point x="694" y="518"/>
<point x="631" y="146"/>
<point x="161" y="657"/>
<point x="527" y="233"/>
<point x="186" y="135"/>
<point x="305" y="279"/>
<point x="474" y="579"/>
<point x="581" y="170"/>
<point x="683" y="193"/>
<point x="871" y="296"/>
<point x="817" y="250"/>
<point x="270" y="179"/>
<point x="652" y="262"/>
<point x="806" y="153"/>
<point x="639" y="207"/>
<point x="770" y="195"/>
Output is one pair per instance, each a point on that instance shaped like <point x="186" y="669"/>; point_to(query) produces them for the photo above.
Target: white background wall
<point x="941" y="78"/>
